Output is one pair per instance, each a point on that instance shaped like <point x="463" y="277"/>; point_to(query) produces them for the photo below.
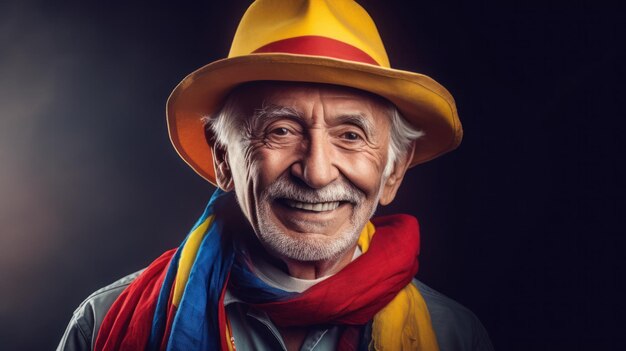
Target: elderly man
<point x="305" y="129"/>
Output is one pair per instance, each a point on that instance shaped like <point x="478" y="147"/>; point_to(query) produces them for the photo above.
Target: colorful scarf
<point x="177" y="303"/>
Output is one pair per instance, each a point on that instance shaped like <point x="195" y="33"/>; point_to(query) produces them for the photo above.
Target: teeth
<point x="316" y="207"/>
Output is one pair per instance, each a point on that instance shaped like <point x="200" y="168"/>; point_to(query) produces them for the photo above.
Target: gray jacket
<point x="456" y="328"/>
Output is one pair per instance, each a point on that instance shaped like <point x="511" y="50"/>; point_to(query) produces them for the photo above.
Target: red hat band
<point x="318" y="46"/>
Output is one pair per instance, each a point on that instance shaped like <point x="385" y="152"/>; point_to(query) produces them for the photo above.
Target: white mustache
<point x="342" y="191"/>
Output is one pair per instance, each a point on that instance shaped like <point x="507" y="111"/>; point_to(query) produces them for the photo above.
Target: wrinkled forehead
<point x="254" y="95"/>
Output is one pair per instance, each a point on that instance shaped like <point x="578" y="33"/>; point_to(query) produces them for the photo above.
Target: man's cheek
<point x="364" y="175"/>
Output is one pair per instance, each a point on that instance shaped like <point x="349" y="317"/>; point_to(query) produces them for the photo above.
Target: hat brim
<point x="422" y="101"/>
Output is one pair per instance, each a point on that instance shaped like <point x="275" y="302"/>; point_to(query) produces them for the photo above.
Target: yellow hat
<point x="317" y="41"/>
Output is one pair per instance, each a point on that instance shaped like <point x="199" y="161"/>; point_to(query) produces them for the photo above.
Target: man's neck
<point x="276" y="274"/>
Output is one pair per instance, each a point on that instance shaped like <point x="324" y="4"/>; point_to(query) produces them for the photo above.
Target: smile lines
<point x="316" y="207"/>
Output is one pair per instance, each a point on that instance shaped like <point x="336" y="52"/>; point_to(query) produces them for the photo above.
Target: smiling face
<point x="308" y="173"/>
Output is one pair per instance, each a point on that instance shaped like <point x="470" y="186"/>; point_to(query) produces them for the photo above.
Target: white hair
<point x="228" y="126"/>
<point x="402" y="135"/>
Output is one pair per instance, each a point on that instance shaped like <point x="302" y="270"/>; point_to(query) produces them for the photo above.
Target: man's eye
<point x="280" y="131"/>
<point x="351" y="136"/>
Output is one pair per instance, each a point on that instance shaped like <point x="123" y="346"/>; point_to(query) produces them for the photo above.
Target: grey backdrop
<point x="524" y="224"/>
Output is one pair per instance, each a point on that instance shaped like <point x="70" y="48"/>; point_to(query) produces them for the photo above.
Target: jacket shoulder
<point x="455" y="326"/>
<point x="81" y="332"/>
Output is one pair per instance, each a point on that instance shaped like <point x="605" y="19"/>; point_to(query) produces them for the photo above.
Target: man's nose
<point x="317" y="167"/>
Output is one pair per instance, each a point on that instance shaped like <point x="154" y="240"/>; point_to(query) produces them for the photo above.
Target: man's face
<point x="309" y="173"/>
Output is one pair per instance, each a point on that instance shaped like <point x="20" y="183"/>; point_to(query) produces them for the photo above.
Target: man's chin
<point x="304" y="239"/>
<point x="304" y="247"/>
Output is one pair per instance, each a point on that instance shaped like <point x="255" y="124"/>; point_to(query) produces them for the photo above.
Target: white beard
<point x="305" y="247"/>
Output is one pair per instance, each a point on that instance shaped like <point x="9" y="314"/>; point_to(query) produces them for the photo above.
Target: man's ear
<point x="393" y="181"/>
<point x="223" y="174"/>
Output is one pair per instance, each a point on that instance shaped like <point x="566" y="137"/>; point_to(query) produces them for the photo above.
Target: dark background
<point x="523" y="224"/>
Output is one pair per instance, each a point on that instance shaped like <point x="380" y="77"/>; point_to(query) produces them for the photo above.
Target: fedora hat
<point x="316" y="41"/>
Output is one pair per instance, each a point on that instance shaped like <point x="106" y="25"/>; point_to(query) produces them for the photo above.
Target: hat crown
<point x="332" y="28"/>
